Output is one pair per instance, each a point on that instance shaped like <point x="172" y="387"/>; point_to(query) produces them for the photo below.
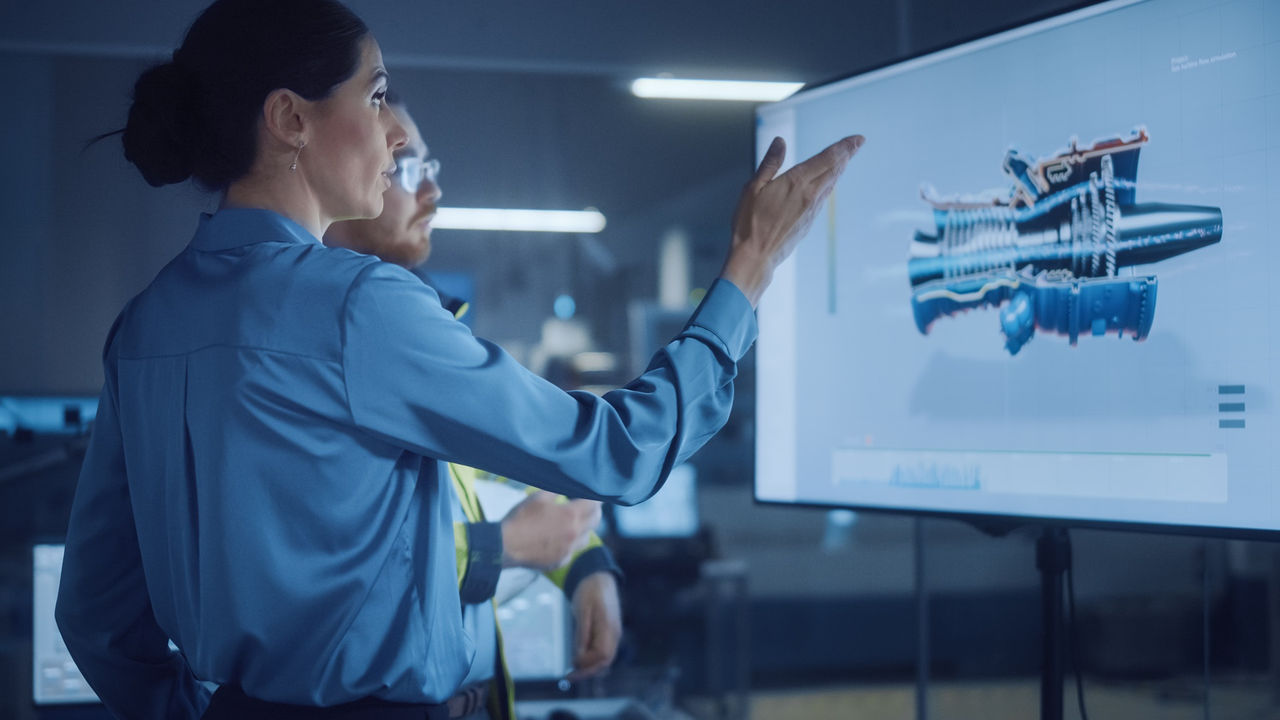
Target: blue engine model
<point x="1047" y="255"/>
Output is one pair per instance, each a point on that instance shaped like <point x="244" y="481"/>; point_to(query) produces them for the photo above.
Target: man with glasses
<point x="542" y="532"/>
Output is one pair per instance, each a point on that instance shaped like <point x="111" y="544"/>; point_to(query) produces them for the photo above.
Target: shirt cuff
<point x="594" y="560"/>
<point x="727" y="314"/>
<point x="484" y="562"/>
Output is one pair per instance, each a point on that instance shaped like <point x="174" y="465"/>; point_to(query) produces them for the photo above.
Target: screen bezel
<point x="994" y="523"/>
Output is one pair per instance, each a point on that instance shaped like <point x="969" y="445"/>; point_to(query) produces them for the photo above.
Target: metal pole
<point x="922" y="622"/>
<point x="1053" y="555"/>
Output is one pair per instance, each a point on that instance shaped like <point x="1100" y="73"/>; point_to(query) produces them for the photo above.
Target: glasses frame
<point x="412" y="170"/>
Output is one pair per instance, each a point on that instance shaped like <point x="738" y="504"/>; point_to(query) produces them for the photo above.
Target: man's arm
<point x="590" y="580"/>
<point x="540" y="532"/>
<point x="597" y="629"/>
<point x="103" y="611"/>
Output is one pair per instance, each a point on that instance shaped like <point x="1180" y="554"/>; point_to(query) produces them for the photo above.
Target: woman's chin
<point x="368" y="209"/>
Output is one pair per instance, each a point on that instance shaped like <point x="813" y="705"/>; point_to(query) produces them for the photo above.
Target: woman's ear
<point x="283" y="113"/>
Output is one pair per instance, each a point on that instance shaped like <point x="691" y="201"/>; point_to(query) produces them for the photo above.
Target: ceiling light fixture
<point x="565" y="221"/>
<point x="739" y="90"/>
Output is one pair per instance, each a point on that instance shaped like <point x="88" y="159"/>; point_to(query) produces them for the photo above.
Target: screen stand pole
<point x="922" y="621"/>
<point x="1053" y="557"/>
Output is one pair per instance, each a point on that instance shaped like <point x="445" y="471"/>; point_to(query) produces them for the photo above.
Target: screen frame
<point x="995" y="524"/>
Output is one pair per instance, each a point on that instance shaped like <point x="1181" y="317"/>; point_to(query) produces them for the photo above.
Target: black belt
<point x="230" y="702"/>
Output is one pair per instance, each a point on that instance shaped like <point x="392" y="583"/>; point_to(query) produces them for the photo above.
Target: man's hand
<point x="775" y="212"/>
<point x="543" y="533"/>
<point x="597" y="616"/>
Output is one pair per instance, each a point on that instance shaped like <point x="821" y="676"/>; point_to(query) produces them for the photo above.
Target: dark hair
<point x="196" y="116"/>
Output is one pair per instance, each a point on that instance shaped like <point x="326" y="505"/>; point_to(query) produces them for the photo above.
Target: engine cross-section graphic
<point x="1047" y="255"/>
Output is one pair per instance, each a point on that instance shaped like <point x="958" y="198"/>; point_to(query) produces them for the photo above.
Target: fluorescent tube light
<point x="565" y="221"/>
<point x="742" y="90"/>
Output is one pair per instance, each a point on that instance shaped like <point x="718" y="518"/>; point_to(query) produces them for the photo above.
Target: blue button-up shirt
<point x="264" y="484"/>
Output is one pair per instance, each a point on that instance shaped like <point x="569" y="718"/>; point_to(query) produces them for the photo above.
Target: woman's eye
<point x="379" y="97"/>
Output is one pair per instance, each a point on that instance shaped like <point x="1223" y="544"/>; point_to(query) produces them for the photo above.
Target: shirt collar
<point x="236" y="227"/>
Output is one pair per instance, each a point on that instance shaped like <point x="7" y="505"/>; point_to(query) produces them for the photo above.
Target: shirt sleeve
<point x="419" y="379"/>
<point x="103" y="610"/>
<point x="482" y="564"/>
<point x="595" y="558"/>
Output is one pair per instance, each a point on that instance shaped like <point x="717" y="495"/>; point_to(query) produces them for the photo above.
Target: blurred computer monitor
<point x="49" y="415"/>
<point x="56" y="679"/>
<point x="537" y="632"/>
<point x="533" y="613"/>
<point x="671" y="513"/>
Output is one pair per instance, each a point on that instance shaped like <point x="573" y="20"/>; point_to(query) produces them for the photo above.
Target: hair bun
<point x="159" y="137"/>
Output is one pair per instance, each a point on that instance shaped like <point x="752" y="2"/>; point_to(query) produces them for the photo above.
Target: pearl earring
<point x="293" y="166"/>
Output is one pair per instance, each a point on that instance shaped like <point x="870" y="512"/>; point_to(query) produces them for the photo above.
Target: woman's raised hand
<point x="775" y="212"/>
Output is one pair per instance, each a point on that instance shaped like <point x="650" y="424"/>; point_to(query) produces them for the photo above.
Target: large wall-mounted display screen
<point x="1045" y="287"/>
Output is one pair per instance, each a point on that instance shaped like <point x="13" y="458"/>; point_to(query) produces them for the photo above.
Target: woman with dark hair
<point x="264" y="483"/>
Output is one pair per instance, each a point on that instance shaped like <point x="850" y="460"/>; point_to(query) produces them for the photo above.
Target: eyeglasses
<point x="411" y="171"/>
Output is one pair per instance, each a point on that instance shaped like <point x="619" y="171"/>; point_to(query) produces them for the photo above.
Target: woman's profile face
<point x="348" y="158"/>
<point x="402" y="233"/>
